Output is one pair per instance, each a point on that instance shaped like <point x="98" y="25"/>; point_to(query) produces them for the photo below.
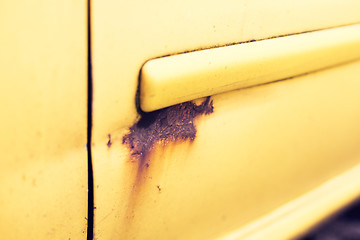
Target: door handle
<point x="179" y="78"/>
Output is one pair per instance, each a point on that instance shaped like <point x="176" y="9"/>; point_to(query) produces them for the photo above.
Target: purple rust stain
<point x="109" y="143"/>
<point x="166" y="125"/>
<point x="169" y="125"/>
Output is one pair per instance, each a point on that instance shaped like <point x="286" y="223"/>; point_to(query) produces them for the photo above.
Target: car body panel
<point x="288" y="222"/>
<point x="127" y="34"/>
<point x="257" y="160"/>
<point x="43" y="98"/>
<point x="260" y="149"/>
<point x="184" y="77"/>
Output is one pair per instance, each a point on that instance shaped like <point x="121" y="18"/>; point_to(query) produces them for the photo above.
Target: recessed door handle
<point x="174" y="79"/>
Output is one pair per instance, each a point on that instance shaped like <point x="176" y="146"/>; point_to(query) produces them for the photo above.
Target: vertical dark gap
<point x="90" y="225"/>
<point x="137" y="97"/>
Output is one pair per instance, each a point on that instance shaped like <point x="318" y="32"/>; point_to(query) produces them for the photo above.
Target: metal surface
<point x="43" y="101"/>
<point x="127" y="34"/>
<point x="179" y="78"/>
<point x="259" y="150"/>
<point x="261" y="147"/>
<point x="295" y="217"/>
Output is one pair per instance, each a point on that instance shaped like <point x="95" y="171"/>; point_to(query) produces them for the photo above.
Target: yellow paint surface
<point x="184" y="77"/>
<point x="127" y="34"/>
<point x="296" y="217"/>
<point x="43" y="101"/>
<point x="261" y="148"/>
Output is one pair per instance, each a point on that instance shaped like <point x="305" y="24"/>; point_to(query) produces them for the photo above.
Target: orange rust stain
<point x="171" y="124"/>
<point x="109" y="143"/>
<point x="154" y="130"/>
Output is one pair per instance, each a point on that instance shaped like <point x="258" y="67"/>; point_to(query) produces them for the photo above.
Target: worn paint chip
<point x="165" y="125"/>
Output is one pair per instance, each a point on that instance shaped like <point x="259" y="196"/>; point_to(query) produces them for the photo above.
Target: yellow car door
<point x="269" y="144"/>
<point x="43" y="126"/>
<point x="177" y="119"/>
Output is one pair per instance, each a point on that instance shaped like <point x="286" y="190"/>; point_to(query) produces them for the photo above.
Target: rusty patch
<point x="169" y="125"/>
<point x="109" y="143"/>
<point x="166" y="125"/>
